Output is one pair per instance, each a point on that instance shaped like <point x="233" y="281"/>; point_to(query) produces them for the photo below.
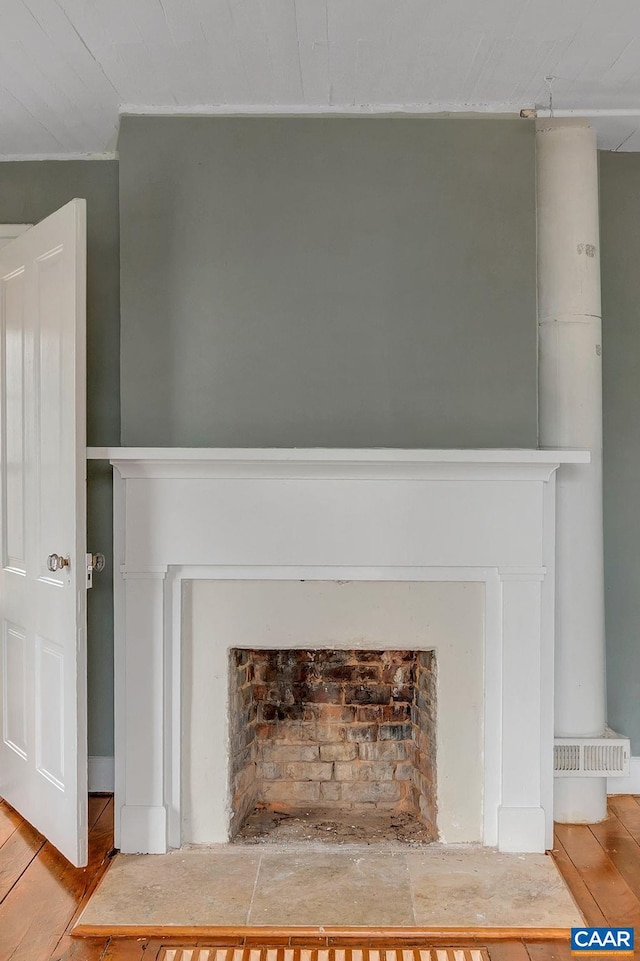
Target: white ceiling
<point x="68" y="67"/>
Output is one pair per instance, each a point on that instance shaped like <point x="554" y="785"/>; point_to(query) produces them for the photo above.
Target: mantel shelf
<point x="342" y="455"/>
<point x="362" y="464"/>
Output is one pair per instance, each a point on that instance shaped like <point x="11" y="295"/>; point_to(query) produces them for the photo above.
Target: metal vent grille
<point x="606" y="756"/>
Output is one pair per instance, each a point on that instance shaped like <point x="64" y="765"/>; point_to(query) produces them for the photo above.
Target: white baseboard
<point x="101" y="775"/>
<point x="626" y="785"/>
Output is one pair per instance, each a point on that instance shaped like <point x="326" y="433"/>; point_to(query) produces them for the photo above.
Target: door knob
<point x="55" y="562"/>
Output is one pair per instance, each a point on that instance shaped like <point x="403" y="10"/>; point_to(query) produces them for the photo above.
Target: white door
<point x="43" y="750"/>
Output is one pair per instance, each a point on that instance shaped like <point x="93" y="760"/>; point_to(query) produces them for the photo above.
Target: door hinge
<point x="95" y="562"/>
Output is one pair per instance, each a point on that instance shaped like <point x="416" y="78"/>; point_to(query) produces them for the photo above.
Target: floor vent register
<point x="199" y="953"/>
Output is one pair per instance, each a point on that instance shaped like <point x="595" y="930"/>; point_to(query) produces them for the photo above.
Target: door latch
<point x="95" y="562"/>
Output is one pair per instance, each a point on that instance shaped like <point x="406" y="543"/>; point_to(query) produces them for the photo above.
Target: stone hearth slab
<point x="356" y="887"/>
<point x="311" y="886"/>
<point x="188" y="887"/>
<point x="480" y="887"/>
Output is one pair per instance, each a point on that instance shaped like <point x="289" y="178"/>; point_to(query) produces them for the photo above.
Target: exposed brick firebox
<point x="350" y="730"/>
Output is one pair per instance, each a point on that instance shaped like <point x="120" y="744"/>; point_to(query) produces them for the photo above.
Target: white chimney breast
<point x="484" y="516"/>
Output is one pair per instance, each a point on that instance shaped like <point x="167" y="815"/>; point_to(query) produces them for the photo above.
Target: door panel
<point x="14" y="727"/>
<point x="13" y="426"/>
<point x="50" y="453"/>
<point x="50" y="671"/>
<point x="43" y="753"/>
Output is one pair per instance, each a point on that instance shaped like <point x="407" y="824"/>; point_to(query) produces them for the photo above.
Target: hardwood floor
<point x="41" y="894"/>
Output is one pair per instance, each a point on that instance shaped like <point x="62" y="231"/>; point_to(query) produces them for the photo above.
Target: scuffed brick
<point x="355" y="673"/>
<point x="288" y="792"/>
<point x="290" y="752"/>
<point x="361" y="732"/>
<point x="404" y="771"/>
<point x="245" y="780"/>
<point x="320" y="657"/>
<point x="398" y="675"/>
<point x="267" y="712"/>
<point x="425" y="743"/>
<point x="366" y="694"/>
<point x="307" y="771"/>
<point x="295" y="732"/>
<point x="395" y="732"/>
<point x="323" y="693"/>
<point x="333" y="712"/>
<point x="269" y="771"/>
<point x="402" y="693"/>
<point x="363" y="771"/>
<point x="371" y="791"/>
<point x="330" y="791"/>
<point x="338" y="752"/>
<point x="383" y="751"/>
<point x="330" y="732"/>
<point x="371" y="712"/>
<point x="397" y="712"/>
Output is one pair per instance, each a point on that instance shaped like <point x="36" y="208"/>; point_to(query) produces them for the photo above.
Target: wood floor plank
<point x="621" y="848"/>
<point x="10" y="820"/>
<point x="550" y="951"/>
<point x="587" y="905"/>
<point x="74" y="949"/>
<point x="91" y="949"/>
<point x="618" y="902"/>
<point x="97" y="804"/>
<point x="508" y="951"/>
<point x="100" y="852"/>
<point x="100" y="846"/>
<point x="627" y="810"/>
<point x="126" y="949"/>
<point x="152" y="950"/>
<point x="17" y="854"/>
<point x="37" y="911"/>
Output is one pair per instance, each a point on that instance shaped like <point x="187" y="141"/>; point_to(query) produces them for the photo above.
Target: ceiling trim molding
<point x="586" y="112"/>
<point x="19" y="158"/>
<point x="499" y="111"/>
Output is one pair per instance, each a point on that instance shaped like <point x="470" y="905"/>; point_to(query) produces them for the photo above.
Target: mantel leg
<point x="140" y="694"/>
<point x="521" y="818"/>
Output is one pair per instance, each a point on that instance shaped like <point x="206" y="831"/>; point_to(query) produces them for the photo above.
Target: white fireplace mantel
<point x="368" y="515"/>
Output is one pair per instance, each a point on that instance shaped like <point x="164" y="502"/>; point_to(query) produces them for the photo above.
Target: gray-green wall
<point x="30" y="191"/>
<point x="620" y="241"/>
<point x="342" y="283"/>
<point x="310" y="282"/>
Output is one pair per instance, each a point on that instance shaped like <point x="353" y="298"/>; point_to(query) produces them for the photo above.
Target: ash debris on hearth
<point x="328" y="826"/>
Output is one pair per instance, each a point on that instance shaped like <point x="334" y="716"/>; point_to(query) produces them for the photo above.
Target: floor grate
<point x="198" y="953"/>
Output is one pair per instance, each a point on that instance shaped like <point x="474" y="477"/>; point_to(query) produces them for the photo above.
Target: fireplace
<point x="343" y="631"/>
<point x="458" y="534"/>
<point x="318" y="733"/>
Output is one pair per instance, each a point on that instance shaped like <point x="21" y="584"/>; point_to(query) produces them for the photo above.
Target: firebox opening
<point x="334" y="745"/>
